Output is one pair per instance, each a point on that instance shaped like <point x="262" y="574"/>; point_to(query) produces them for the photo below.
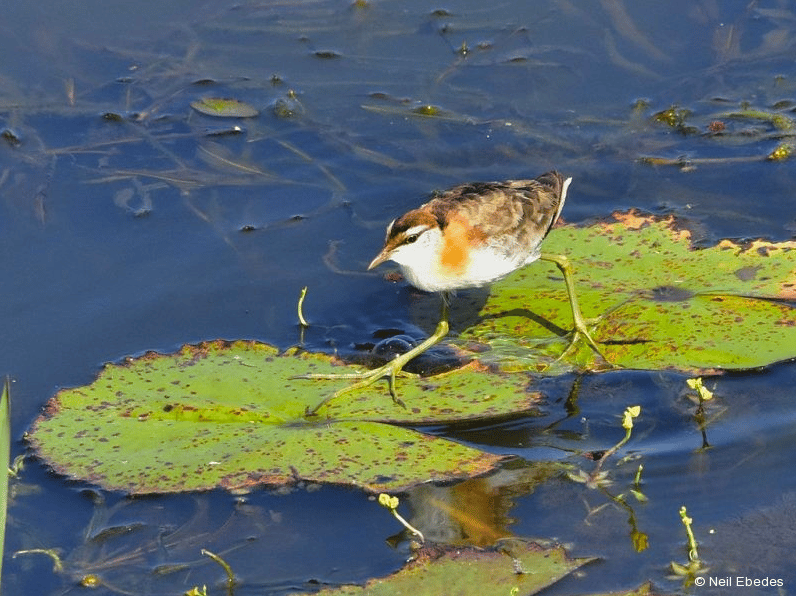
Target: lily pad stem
<point x="58" y="564"/>
<point x="391" y="503"/>
<point x="627" y="424"/>
<point x="302" y="320"/>
<point x="226" y="567"/>
<point x="693" y="555"/>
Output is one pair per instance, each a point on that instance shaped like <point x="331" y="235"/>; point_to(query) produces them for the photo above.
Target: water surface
<point x="131" y="223"/>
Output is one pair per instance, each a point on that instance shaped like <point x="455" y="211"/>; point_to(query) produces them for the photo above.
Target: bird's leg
<point x="392" y="368"/>
<point x="581" y="329"/>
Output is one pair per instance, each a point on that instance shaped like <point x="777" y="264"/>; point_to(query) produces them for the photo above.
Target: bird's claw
<point x="578" y="335"/>
<point x="391" y="371"/>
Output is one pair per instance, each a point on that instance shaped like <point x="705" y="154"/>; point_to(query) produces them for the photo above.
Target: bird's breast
<point x="459" y="240"/>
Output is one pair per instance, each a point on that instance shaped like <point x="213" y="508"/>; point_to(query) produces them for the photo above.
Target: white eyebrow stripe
<point x="564" y="188"/>
<point x="389" y="228"/>
<point x="417" y="229"/>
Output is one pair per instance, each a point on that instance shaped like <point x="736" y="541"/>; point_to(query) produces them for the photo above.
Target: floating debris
<point x="224" y="108"/>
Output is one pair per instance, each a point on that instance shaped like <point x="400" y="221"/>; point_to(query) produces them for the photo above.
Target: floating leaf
<point x="662" y="302"/>
<point x="526" y="570"/>
<point x="224" y="107"/>
<point x="230" y="415"/>
<point x="423" y="110"/>
<point x="673" y="116"/>
<point x="326" y="54"/>
<point x="427" y="110"/>
<point x="642" y="590"/>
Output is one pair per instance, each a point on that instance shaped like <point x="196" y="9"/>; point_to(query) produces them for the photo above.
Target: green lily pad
<point x="643" y="590"/>
<point x="469" y="571"/>
<point x="224" y="107"/>
<point x="660" y="302"/>
<point x="230" y="415"/>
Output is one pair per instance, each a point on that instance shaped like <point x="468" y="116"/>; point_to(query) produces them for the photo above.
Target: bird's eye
<point x="410" y="239"/>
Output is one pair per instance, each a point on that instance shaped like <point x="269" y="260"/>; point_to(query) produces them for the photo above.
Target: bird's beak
<point x="384" y="255"/>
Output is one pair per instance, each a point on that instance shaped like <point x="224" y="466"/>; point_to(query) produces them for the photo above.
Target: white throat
<point x="417" y="260"/>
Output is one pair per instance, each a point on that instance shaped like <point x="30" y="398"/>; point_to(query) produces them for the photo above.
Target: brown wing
<point x="523" y="210"/>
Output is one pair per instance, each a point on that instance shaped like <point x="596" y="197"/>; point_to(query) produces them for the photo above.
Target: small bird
<point x="469" y="236"/>
<point x="474" y="234"/>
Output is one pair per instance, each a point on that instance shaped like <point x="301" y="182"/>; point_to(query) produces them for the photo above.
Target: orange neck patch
<point x="459" y="239"/>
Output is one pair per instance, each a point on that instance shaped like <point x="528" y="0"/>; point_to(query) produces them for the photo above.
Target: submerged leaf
<point x="777" y="120"/>
<point x="224" y="107"/>
<point x="526" y="569"/>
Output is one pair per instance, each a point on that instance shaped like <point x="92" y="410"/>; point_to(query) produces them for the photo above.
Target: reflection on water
<point x="132" y="222"/>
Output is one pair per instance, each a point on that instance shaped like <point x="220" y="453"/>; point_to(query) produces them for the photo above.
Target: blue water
<point x="142" y="231"/>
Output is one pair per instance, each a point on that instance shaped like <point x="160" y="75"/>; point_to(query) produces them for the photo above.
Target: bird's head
<point x="412" y="241"/>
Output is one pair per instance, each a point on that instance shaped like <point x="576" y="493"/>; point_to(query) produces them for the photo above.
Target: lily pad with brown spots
<point x="229" y="414"/>
<point x="658" y="301"/>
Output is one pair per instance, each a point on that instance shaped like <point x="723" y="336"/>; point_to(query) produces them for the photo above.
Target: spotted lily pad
<point x="525" y="569"/>
<point x="230" y="415"/>
<point x="659" y="301"/>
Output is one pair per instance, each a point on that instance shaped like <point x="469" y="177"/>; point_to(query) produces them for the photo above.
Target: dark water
<point x="129" y="223"/>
